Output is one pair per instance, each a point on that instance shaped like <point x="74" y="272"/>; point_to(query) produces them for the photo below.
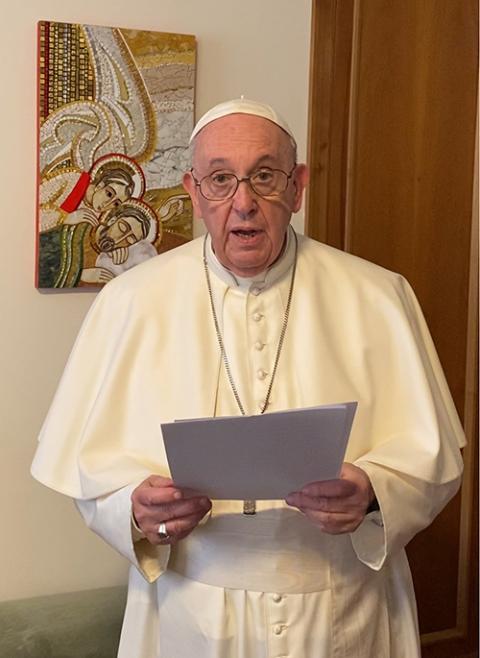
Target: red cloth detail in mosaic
<point x="73" y="200"/>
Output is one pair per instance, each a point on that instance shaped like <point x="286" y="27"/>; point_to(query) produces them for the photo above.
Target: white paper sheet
<point x="258" y="457"/>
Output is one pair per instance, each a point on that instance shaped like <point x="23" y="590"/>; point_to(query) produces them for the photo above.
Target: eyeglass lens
<point x="265" y="182"/>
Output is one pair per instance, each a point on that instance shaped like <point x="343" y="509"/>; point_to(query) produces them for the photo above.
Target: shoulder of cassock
<point x="102" y="430"/>
<point x="415" y="427"/>
<point x="146" y="354"/>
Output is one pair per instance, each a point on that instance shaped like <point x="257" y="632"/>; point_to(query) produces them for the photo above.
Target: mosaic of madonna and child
<point x="115" y="114"/>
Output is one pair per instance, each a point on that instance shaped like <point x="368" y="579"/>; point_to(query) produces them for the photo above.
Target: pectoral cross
<point x="249" y="507"/>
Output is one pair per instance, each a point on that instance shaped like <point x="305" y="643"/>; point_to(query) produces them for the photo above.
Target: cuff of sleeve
<point x="110" y="517"/>
<point x="369" y="539"/>
<point x="151" y="560"/>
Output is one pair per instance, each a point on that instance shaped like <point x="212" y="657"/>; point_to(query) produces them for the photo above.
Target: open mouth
<point x="242" y="233"/>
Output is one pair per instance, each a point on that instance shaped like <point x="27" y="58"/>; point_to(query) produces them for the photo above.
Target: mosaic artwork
<point x="115" y="114"/>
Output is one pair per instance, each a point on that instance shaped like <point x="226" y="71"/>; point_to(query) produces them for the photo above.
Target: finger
<point x="190" y="493"/>
<point x="303" y="502"/>
<point x="334" y="523"/>
<point x="90" y="216"/>
<point x="121" y="255"/>
<point x="156" y="499"/>
<point x="148" y="518"/>
<point x="157" y="487"/>
<point x="163" y="490"/>
<point x="179" y="527"/>
<point x="176" y="529"/>
<point x="158" y="481"/>
<point x="180" y="508"/>
<point x="148" y="495"/>
<point x="152" y="515"/>
<point x="330" y="489"/>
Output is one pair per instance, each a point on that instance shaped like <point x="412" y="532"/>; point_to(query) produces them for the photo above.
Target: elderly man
<point x="252" y="319"/>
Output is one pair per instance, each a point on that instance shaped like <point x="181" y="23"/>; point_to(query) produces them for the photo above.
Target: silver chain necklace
<point x="249" y="505"/>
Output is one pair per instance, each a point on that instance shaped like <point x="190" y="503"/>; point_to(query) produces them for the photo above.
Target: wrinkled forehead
<point x="242" y="134"/>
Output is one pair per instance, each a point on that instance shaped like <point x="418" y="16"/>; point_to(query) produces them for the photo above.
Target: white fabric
<point x="137" y="253"/>
<point x="148" y="353"/>
<point x="241" y="106"/>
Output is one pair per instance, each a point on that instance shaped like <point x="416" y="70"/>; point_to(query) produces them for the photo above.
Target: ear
<point x="300" y="181"/>
<point x="192" y="190"/>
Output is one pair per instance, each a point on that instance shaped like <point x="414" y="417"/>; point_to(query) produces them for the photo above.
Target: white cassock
<point x="272" y="584"/>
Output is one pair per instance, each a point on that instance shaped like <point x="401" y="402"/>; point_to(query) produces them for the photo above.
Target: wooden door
<point x="393" y="102"/>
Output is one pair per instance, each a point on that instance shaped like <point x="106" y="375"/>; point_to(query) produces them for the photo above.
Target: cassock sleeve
<point x="407" y="505"/>
<point x="109" y="517"/>
<point x="413" y="475"/>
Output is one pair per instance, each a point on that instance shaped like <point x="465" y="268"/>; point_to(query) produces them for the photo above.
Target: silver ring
<point x="162" y="531"/>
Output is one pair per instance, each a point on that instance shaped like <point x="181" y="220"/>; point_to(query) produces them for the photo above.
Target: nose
<point x="244" y="200"/>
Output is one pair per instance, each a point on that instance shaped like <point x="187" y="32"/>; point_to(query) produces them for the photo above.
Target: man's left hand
<point x="336" y="506"/>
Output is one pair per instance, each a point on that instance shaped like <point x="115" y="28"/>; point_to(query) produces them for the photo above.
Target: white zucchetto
<point x="241" y="106"/>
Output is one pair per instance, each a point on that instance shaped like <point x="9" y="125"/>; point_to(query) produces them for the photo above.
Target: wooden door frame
<point x="332" y="94"/>
<point x="332" y="32"/>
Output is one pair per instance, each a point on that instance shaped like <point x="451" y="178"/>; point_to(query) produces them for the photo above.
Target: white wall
<point x="256" y="48"/>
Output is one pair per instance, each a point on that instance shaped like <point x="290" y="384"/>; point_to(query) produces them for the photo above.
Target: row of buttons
<point x="277" y="628"/>
<point x="261" y="373"/>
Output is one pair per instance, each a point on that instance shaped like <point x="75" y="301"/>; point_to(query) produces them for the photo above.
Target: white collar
<point x="259" y="282"/>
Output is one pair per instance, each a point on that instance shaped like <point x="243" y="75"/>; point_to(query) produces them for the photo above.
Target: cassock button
<point x="261" y="374"/>
<point x="255" y="291"/>
<point x="277" y="597"/>
<point x="277" y="629"/>
<point x="259" y="345"/>
<point x="257" y="317"/>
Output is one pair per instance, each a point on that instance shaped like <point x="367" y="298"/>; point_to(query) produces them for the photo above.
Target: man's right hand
<point x="157" y="500"/>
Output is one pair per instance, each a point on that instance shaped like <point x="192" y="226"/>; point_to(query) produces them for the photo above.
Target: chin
<point x="248" y="270"/>
<point x="248" y="258"/>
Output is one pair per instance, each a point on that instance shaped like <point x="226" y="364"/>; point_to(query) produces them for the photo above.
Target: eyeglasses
<point x="265" y="182"/>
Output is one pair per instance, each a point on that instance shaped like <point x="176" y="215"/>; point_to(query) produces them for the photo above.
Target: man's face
<point x="118" y="232"/>
<point x="247" y="230"/>
<point x="107" y="196"/>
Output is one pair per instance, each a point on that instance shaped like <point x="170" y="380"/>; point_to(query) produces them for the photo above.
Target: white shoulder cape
<point x="147" y="353"/>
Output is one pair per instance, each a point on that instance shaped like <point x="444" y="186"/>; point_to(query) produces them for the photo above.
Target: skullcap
<point x="241" y="106"/>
